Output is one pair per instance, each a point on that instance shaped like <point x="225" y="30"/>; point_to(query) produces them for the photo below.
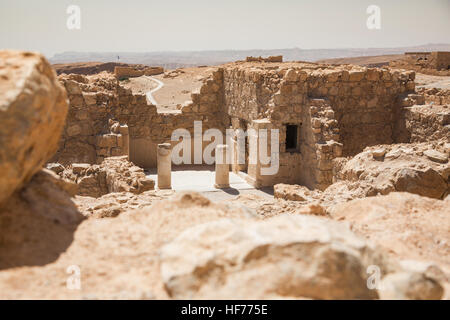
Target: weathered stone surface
<point x="407" y="226"/>
<point x="292" y="192"/>
<point x="287" y="256"/>
<point x="436" y="156"/>
<point x="37" y="222"/>
<point x="427" y="182"/>
<point x="404" y="167"/>
<point x="33" y="106"/>
<point x="416" y="281"/>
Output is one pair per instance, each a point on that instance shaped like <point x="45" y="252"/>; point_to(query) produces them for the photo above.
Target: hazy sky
<point x="150" y="25"/>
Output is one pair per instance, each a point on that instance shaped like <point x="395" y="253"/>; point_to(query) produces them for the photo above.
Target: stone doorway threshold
<point x="201" y="178"/>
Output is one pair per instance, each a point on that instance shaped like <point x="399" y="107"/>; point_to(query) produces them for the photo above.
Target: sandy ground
<point x="202" y="178"/>
<point x="427" y="81"/>
<point x="178" y="89"/>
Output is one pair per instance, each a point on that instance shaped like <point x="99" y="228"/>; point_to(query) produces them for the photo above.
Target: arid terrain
<point x="359" y="207"/>
<point x="367" y="61"/>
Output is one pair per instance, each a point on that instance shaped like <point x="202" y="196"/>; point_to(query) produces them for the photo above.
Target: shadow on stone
<point x="38" y="222"/>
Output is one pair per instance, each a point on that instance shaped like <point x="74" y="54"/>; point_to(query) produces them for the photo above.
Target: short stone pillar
<point x="126" y="140"/>
<point x="164" y="163"/>
<point x="222" y="167"/>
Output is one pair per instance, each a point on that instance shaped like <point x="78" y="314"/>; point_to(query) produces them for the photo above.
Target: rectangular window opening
<point x="291" y="138"/>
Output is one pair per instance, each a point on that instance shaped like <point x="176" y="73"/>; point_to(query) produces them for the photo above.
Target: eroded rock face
<point x="287" y="256"/>
<point x="37" y="222"/>
<point x="33" y="107"/>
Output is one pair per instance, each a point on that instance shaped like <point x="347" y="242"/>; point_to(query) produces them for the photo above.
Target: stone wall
<point x="441" y="59"/>
<point x="147" y="131"/>
<point x="130" y="72"/>
<point x="268" y="59"/>
<point x="101" y="112"/>
<point x="364" y="102"/>
<point x="427" y="123"/>
<point x="338" y="111"/>
<point x="91" y="131"/>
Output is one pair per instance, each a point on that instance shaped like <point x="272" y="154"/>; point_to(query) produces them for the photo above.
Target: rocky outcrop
<point x="113" y="204"/>
<point x="417" y="281"/>
<point x="33" y="107"/>
<point x="119" y="258"/>
<point x="407" y="226"/>
<point x="421" y="168"/>
<point x="437" y="96"/>
<point x="286" y="256"/>
<point x="37" y="222"/>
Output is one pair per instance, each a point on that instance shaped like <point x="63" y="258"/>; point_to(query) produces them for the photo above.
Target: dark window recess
<point x="291" y="137"/>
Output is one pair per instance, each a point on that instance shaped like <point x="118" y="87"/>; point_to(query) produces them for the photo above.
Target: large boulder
<point x="33" y="107"/>
<point x="416" y="168"/>
<point x="38" y="222"/>
<point x="286" y="256"/>
<point x="427" y="182"/>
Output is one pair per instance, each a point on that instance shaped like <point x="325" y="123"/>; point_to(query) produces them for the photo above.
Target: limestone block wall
<point x="425" y="123"/>
<point x="364" y="102"/>
<point x="268" y="59"/>
<point x="151" y="129"/>
<point x="440" y="60"/>
<point x="435" y="95"/>
<point x="281" y="97"/>
<point x="338" y="111"/>
<point x="89" y="136"/>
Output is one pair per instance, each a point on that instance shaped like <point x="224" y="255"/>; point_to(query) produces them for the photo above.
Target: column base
<point x="221" y="186"/>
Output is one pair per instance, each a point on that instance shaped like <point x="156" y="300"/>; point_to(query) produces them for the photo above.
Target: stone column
<point x="164" y="164"/>
<point x="126" y="140"/>
<point x="222" y="167"/>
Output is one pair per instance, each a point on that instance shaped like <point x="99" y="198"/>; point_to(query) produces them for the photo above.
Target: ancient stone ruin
<point x="320" y="112"/>
<point x="356" y="208"/>
<point x="436" y="62"/>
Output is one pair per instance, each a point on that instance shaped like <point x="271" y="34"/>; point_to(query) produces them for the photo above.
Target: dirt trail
<point x="150" y="97"/>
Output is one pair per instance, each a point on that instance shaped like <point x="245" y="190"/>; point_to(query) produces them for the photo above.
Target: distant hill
<point x="176" y="59"/>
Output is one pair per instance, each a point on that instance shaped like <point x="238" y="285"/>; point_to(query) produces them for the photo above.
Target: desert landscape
<point x="363" y="186"/>
<point x="247" y="174"/>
